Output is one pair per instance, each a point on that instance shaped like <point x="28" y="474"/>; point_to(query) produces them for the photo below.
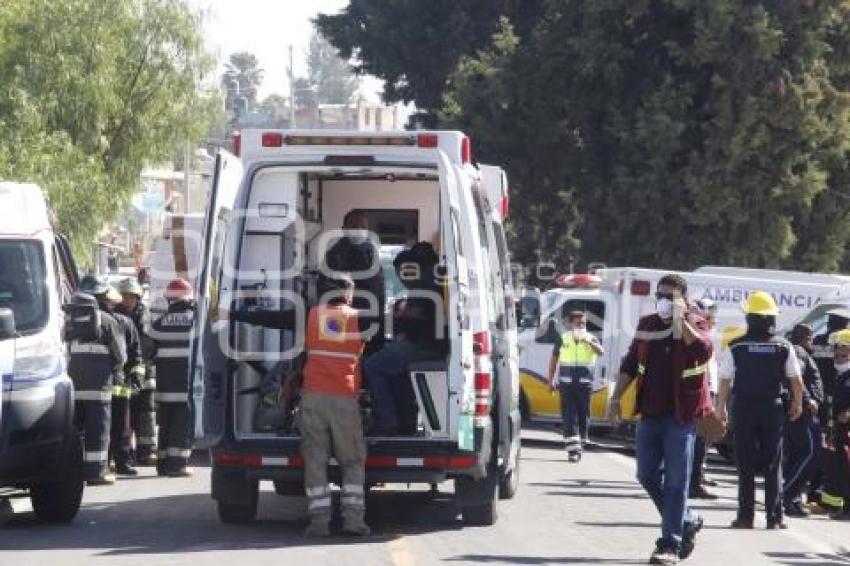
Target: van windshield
<point x="23" y="283"/>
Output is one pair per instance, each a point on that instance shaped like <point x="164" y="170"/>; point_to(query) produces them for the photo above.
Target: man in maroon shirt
<point x="668" y="355"/>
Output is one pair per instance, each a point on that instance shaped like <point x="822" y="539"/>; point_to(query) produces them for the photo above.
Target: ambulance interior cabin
<point x="278" y="260"/>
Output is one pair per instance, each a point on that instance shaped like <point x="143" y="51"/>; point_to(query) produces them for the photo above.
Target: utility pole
<point x="187" y="174"/>
<point x="291" y="89"/>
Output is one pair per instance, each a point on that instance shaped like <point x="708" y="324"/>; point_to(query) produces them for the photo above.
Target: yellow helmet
<point x="730" y="333"/>
<point x="840" y="338"/>
<point x="761" y="303"/>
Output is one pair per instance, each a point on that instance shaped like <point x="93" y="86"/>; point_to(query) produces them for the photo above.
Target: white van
<point x="616" y="298"/>
<point x="269" y="219"/>
<point x="40" y="449"/>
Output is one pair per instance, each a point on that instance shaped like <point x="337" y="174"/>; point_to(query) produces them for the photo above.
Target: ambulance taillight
<point x="483" y="373"/>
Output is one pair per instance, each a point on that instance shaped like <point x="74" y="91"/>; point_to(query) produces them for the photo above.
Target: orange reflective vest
<point x="334" y="346"/>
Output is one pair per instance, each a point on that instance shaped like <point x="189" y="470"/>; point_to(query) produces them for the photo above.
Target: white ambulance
<point x="615" y="299"/>
<point x="270" y="217"/>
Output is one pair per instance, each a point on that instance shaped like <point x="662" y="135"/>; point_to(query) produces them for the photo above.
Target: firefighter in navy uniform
<point x="142" y="408"/>
<point x="822" y="351"/>
<point x="756" y="368"/>
<point x="95" y="356"/>
<point x="836" y="461"/>
<point x="133" y="372"/>
<point x="802" y="437"/>
<point x="172" y="335"/>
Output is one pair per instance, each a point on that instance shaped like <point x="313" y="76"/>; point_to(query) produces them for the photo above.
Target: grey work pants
<point x="331" y="427"/>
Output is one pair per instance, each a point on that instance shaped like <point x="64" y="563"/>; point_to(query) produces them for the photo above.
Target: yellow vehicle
<point x="614" y="299"/>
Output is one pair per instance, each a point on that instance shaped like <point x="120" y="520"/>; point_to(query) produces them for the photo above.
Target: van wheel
<point x="292" y="488"/>
<point x="509" y="482"/>
<point x="59" y="502"/>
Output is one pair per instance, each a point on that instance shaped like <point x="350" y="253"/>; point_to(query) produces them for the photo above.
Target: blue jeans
<point x="665" y="453"/>
<point x="390" y="389"/>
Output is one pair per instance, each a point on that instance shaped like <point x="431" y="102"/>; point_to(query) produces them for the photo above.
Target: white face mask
<point x="840" y="368"/>
<point x="357" y="236"/>
<point x="664" y="308"/>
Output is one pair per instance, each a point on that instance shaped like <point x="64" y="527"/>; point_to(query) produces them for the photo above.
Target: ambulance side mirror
<point x="7" y="324"/>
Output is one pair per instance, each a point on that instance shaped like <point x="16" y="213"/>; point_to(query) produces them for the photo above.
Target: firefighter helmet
<point x="178" y="290"/>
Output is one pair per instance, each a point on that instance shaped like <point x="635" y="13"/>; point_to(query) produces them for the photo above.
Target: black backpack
<point x="82" y="319"/>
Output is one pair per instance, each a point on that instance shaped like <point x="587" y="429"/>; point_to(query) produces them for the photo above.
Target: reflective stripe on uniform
<point x="320" y="503"/>
<point x="97" y="395"/>
<point x="138" y="369"/>
<point x="831" y="500"/>
<point x="352" y="500"/>
<point x="316" y="491"/>
<point x="331" y="354"/>
<point x="149" y="384"/>
<point x="145" y="440"/>
<point x="99" y="456"/>
<point x="122" y="391"/>
<point x="691" y="372"/>
<point x="176" y="452"/>
<point x="171" y="396"/>
<point x="172" y="353"/>
<point x="352" y="489"/>
<point x="81" y="348"/>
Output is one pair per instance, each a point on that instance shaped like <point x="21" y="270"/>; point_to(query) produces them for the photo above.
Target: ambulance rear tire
<point x="241" y="512"/>
<point x="481" y="514"/>
<point x="234" y="513"/>
<point x="509" y="482"/>
<point x="524" y="410"/>
<point x="59" y="502"/>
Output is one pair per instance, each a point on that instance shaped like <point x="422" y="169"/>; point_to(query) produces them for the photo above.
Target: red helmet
<point x="178" y="290"/>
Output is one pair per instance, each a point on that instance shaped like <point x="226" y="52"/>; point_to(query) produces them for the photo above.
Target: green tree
<point x="276" y="110"/>
<point x="90" y="92"/>
<point x="242" y="69"/>
<point x="679" y="132"/>
<point x="329" y="73"/>
<point x="412" y="45"/>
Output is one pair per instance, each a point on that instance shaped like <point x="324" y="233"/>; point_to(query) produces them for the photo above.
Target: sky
<point x="267" y="28"/>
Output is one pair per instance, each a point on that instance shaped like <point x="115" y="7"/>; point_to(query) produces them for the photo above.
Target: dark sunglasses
<point x="669" y="296"/>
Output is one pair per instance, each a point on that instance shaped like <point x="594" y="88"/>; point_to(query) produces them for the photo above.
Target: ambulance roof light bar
<point x="424" y="140"/>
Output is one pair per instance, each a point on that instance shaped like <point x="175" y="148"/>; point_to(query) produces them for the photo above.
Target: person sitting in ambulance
<point x="355" y="254"/>
<point x="419" y="333"/>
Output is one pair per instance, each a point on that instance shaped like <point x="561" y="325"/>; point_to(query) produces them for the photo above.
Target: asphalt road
<point x="587" y="513"/>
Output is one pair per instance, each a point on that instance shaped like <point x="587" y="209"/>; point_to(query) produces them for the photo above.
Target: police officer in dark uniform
<point x="756" y="369"/>
<point x="95" y="357"/>
<point x="142" y="408"/>
<point x="172" y="336"/>
<point x="802" y="437"/>
<point x="121" y="435"/>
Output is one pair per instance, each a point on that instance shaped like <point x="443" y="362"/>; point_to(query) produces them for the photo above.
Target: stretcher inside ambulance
<point x="615" y="299"/>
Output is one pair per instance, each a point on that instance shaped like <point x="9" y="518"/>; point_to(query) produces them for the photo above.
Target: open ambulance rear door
<point x="208" y="362"/>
